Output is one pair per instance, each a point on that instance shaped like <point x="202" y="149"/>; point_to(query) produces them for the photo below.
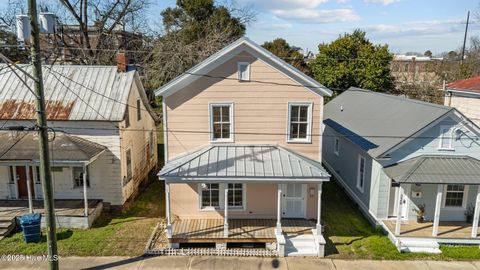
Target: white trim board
<point x="227" y="53"/>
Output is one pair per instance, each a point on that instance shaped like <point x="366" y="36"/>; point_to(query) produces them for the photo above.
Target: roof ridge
<point x="400" y="98"/>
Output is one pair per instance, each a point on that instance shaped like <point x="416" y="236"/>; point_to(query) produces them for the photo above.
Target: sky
<point x="405" y="25"/>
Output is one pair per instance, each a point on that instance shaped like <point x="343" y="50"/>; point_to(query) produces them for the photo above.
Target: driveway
<point x="226" y="263"/>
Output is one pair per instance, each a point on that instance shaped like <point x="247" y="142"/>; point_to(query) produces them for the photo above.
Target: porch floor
<point x="239" y="230"/>
<point x="446" y="229"/>
<point x="71" y="208"/>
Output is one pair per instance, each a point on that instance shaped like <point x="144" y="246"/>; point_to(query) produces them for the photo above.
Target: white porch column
<point x="225" y="218"/>
<point x="167" y="206"/>
<point x="319" y="209"/>
<point x="29" y="188"/>
<point x="438" y="205"/>
<point x="85" y="195"/>
<point x="398" y="224"/>
<point x="476" y="214"/>
<point x="279" y="210"/>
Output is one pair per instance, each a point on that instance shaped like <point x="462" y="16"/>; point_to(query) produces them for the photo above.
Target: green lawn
<point x="350" y="236"/>
<point x="121" y="234"/>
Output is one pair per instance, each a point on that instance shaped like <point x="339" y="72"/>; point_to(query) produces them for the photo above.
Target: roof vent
<point x="341" y="108"/>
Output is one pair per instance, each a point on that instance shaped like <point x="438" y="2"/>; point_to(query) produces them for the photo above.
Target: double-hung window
<point x="128" y="161"/>
<point x="221" y="122"/>
<point x="446" y="138"/>
<point x="210" y="195"/>
<point x="78" y="177"/>
<point x="139" y="110"/>
<point x="361" y="173"/>
<point x="299" y="122"/>
<point x="455" y="196"/>
<point x="336" y="146"/>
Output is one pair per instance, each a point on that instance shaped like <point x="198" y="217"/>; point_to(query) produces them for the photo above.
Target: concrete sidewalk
<point x="226" y="263"/>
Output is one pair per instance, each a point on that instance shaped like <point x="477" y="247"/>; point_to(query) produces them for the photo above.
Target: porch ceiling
<point x="436" y="170"/>
<point x="243" y="163"/>
<point x="23" y="146"/>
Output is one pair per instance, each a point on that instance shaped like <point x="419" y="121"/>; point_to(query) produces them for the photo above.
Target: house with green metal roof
<point x="412" y="167"/>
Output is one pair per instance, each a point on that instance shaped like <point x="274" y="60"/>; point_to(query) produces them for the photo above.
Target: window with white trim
<point x="221" y="122"/>
<point x="235" y="195"/>
<point x="336" y="146"/>
<point x="210" y="197"/>
<point x="243" y="71"/>
<point x="446" y="138"/>
<point x="361" y="173"/>
<point x="455" y="196"/>
<point x="299" y="122"/>
<point x="78" y="177"/>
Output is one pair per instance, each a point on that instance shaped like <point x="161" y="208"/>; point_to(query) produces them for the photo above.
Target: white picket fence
<point x="239" y="252"/>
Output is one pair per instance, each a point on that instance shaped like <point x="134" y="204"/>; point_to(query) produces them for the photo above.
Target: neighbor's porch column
<point x="438" y="205"/>
<point x="398" y="224"/>
<point x="225" y="218"/>
<point x="319" y="209"/>
<point x="85" y="195"/>
<point x="476" y="214"/>
<point x="278" y="230"/>
<point x="29" y="188"/>
<point x="167" y="208"/>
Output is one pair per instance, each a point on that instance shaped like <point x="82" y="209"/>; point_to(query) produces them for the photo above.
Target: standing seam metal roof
<point x="436" y="170"/>
<point x="72" y="92"/>
<point x="379" y="121"/>
<point x="237" y="162"/>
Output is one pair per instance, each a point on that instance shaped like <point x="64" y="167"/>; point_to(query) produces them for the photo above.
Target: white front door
<point x="294" y="200"/>
<point x="403" y="202"/>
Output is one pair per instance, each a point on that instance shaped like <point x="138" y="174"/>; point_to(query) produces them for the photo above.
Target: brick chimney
<point x="122" y="62"/>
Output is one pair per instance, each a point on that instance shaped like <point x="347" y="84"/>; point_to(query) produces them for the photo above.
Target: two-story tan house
<point x="243" y="153"/>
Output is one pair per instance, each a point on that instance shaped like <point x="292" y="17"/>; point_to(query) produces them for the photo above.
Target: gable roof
<point x="378" y="122"/>
<point x="72" y="92"/>
<point x="436" y="170"/>
<point x="230" y="51"/>
<point x="243" y="163"/>
<point x="467" y="85"/>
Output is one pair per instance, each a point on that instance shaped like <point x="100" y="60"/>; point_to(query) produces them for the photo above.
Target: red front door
<point x="22" y="182"/>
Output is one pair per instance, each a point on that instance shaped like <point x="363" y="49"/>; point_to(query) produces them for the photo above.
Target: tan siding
<point x="260" y="106"/>
<point x="136" y="138"/>
<point x="467" y="105"/>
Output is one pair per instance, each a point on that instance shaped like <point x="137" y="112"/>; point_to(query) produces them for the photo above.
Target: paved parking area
<point x="226" y="263"/>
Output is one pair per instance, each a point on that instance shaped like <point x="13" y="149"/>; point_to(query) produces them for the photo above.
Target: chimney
<point x="122" y="62"/>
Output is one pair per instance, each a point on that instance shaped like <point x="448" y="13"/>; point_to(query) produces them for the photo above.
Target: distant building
<point x="412" y="69"/>
<point x="464" y="95"/>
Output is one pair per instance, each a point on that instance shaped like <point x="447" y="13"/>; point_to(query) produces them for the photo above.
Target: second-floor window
<point x="127" y="117"/>
<point x="243" y="71"/>
<point x="299" y="122"/>
<point x="361" y="173"/>
<point x="221" y="118"/>
<point x="139" y="110"/>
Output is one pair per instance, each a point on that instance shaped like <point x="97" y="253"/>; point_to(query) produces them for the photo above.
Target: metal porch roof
<point x="242" y="163"/>
<point x="436" y="170"/>
<point x="23" y="146"/>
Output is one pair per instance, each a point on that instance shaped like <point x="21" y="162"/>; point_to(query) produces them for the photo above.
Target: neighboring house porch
<point x="74" y="170"/>
<point x="251" y="194"/>
<point x="443" y="193"/>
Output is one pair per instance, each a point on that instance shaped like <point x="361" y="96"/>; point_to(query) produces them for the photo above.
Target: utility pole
<point x="465" y="37"/>
<point x="45" y="173"/>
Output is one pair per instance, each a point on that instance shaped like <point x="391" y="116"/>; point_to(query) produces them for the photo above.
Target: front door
<point x="21" y="173"/>
<point x="393" y="203"/>
<point x="294" y="201"/>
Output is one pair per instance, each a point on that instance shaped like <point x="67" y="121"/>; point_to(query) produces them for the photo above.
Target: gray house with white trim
<point x="402" y="159"/>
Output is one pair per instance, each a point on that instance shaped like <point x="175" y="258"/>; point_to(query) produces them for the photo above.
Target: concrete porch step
<point x="419" y="246"/>
<point x="300" y="245"/>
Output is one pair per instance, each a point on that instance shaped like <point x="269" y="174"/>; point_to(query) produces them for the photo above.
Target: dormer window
<point x="446" y="138"/>
<point x="243" y="71"/>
